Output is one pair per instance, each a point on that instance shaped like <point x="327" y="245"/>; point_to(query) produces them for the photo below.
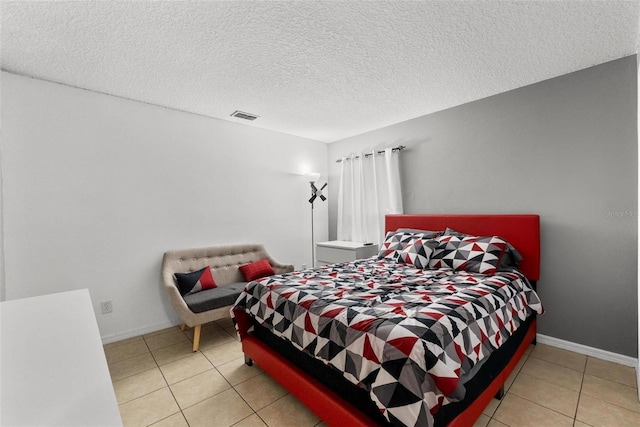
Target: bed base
<point x="334" y="410"/>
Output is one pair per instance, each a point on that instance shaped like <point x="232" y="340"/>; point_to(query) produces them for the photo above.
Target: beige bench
<point x="211" y="304"/>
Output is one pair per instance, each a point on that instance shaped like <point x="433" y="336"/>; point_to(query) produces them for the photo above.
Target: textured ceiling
<point x="323" y="70"/>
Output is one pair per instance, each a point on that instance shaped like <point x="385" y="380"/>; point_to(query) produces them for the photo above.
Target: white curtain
<point x="369" y="189"/>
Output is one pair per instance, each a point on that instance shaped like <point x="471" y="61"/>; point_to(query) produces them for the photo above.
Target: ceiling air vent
<point x="243" y="115"/>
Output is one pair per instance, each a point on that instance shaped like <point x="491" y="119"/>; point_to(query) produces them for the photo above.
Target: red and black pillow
<point x="190" y="283"/>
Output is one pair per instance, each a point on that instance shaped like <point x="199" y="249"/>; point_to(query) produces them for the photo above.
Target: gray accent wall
<point x="566" y="149"/>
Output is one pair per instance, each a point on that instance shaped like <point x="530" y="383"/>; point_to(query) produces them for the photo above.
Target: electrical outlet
<point x="304" y="266"/>
<point x="107" y="307"/>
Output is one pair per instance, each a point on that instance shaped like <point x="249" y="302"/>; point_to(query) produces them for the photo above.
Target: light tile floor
<point x="159" y="381"/>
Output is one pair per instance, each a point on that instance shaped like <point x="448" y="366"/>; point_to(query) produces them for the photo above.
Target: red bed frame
<point x="522" y="231"/>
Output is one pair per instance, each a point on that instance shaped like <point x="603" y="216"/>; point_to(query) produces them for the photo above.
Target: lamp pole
<point x="315" y="192"/>
<point x="313" y="245"/>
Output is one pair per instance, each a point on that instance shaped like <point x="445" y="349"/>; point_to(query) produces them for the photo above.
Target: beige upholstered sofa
<point x="224" y="262"/>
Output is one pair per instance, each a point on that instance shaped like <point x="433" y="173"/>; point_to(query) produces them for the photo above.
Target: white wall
<point x="566" y="149"/>
<point x="97" y="187"/>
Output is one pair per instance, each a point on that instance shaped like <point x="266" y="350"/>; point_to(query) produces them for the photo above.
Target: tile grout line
<point x="525" y="358"/>
<point x="531" y="401"/>
<point x="583" y="373"/>
<point x="167" y="385"/>
<point x="245" y="401"/>
<point x="575" y="418"/>
<point x="617" y="383"/>
<point x="546" y="407"/>
<point x="231" y="387"/>
<point x="557" y="364"/>
<point x="542" y="406"/>
<point x="138" y="373"/>
<point x="504" y="397"/>
<point x="145" y="394"/>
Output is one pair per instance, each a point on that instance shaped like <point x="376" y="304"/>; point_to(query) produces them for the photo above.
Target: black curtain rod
<point x="398" y="148"/>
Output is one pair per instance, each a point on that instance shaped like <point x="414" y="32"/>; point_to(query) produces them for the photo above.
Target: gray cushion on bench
<point x="214" y="298"/>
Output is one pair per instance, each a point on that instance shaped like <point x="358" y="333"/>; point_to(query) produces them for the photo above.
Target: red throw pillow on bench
<point x="256" y="270"/>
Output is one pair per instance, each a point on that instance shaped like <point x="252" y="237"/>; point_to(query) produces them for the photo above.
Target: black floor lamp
<point x="315" y="193"/>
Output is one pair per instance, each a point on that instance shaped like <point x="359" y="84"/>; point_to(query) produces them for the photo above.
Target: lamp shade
<point x="313" y="176"/>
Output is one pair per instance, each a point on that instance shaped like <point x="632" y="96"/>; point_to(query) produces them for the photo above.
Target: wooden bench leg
<point x="183" y="327"/>
<point x="196" y="337"/>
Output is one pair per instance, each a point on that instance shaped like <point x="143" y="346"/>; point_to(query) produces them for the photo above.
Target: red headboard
<point x="522" y="231"/>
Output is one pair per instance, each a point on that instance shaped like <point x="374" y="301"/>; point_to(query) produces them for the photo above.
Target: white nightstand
<point x="341" y="251"/>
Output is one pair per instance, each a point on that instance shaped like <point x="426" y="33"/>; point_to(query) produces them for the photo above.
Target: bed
<point x="383" y="351"/>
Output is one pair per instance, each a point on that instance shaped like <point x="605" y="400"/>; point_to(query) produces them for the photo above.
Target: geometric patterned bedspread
<point x="405" y="335"/>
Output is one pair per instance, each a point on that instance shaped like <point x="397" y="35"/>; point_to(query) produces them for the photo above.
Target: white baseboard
<point x="589" y="351"/>
<point x="123" y="335"/>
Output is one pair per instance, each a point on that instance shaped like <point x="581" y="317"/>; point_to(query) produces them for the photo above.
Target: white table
<point x="342" y="251"/>
<point x="53" y="371"/>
